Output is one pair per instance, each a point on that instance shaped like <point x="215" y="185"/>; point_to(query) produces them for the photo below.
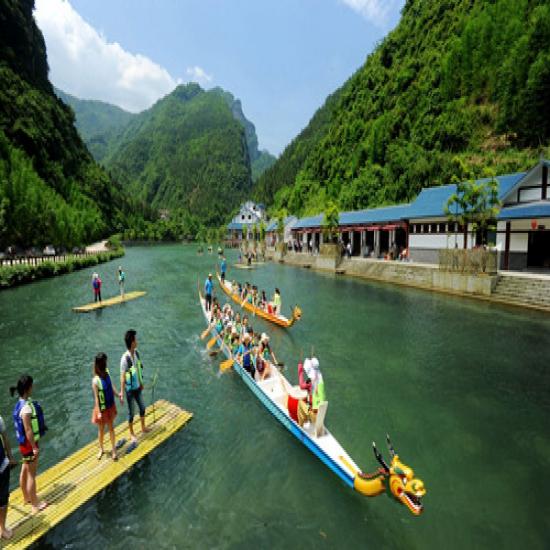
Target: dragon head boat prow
<point x="397" y="479"/>
<point x="296" y="315"/>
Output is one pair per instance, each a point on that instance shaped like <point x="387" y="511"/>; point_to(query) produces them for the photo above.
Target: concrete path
<point x="98" y="247"/>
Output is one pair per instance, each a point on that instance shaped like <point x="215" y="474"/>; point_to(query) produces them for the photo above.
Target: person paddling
<point x="28" y="421"/>
<point x="104" y="412"/>
<point x="131" y="379"/>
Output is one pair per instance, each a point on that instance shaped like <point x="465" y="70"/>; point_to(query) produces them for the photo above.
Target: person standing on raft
<point x="29" y="425"/>
<point x="6" y="463"/>
<point x="104" y="412"/>
<point x="96" y="285"/>
<point x="121" y="278"/>
<point x="131" y="379"/>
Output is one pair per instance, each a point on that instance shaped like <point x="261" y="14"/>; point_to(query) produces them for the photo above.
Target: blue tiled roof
<point x="307" y="223"/>
<point x="539" y="209"/>
<point x="375" y="215"/>
<point x="273" y="224"/>
<point x="235" y="226"/>
<point x="431" y="202"/>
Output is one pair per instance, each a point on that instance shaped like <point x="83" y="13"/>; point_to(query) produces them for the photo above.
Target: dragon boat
<point x="279" y="320"/>
<point x="396" y="479"/>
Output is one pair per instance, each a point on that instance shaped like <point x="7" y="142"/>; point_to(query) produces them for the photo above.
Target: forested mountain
<point x="102" y="125"/>
<point x="187" y="151"/>
<point x="97" y="122"/>
<point x="51" y="189"/>
<point x="467" y="78"/>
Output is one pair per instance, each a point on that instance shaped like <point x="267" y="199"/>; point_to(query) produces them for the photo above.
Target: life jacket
<point x="318" y="396"/>
<point x="95" y="284"/>
<point x="121" y="276"/>
<point x="133" y="378"/>
<point x="247" y="360"/>
<point x="38" y="424"/>
<point x="105" y="396"/>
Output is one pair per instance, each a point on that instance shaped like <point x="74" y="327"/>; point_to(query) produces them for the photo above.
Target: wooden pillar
<point x="507" y="246"/>
<point x="544" y="182"/>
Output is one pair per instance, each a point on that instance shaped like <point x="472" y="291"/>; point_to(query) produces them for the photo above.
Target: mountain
<point x="465" y="78"/>
<point x="51" y="189"/>
<point x="101" y="124"/>
<point x="187" y="151"/>
<point x="97" y="122"/>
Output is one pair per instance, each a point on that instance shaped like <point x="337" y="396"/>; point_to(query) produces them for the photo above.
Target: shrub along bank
<point x="14" y="275"/>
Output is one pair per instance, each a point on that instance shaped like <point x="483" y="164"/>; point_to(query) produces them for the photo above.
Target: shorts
<point x="131" y="396"/>
<point x="26" y="451"/>
<point x="5" y="487"/>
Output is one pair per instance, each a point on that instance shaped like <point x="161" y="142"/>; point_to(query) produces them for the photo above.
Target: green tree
<point x="475" y="202"/>
<point x="331" y="221"/>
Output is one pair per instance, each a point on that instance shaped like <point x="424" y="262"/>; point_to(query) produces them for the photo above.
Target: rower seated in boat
<point x="244" y="355"/>
<point x="263" y="368"/>
<point x="265" y="349"/>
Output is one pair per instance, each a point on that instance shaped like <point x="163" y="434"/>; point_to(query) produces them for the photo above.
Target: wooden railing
<point x="472" y="261"/>
<point x="36" y="260"/>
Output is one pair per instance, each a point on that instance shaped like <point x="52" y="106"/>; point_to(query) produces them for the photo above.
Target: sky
<point x="281" y="58"/>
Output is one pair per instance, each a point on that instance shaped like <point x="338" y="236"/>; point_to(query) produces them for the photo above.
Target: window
<point x="425" y="228"/>
<point x="249" y="216"/>
<point x="434" y="228"/>
<point x="442" y="228"/>
<point x="242" y="217"/>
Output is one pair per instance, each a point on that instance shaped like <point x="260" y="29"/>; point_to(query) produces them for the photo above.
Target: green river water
<point x="462" y="387"/>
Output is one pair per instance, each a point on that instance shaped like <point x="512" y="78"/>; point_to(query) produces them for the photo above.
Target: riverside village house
<point x="419" y="230"/>
<point x="240" y="229"/>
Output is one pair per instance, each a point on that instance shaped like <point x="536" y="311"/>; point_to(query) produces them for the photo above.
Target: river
<point x="462" y="387"/>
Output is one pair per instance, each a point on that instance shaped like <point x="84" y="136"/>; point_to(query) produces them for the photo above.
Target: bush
<point x="11" y="276"/>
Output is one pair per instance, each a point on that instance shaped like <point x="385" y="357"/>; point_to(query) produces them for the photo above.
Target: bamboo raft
<point x="76" y="479"/>
<point x="110" y="301"/>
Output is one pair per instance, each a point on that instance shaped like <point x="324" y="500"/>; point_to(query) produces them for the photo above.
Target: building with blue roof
<point x="420" y="229"/>
<point x="240" y="228"/>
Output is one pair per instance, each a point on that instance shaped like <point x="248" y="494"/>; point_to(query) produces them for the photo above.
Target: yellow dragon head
<point x="296" y="313"/>
<point x="400" y="481"/>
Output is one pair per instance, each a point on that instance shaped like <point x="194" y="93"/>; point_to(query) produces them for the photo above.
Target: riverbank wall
<point x="515" y="289"/>
<point x="23" y="273"/>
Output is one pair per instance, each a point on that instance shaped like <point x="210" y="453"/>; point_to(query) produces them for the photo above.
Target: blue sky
<point x="280" y="57"/>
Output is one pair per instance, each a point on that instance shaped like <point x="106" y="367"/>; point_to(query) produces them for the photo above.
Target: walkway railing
<point x="473" y="261"/>
<point x="36" y="260"/>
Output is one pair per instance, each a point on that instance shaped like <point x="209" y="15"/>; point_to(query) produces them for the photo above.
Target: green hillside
<point x="51" y="189"/>
<point x="187" y="151"/>
<point x="465" y="78"/>
<point x="96" y="121"/>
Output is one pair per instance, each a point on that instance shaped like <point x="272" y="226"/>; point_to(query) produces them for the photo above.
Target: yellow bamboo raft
<point x="110" y="301"/>
<point x="75" y="480"/>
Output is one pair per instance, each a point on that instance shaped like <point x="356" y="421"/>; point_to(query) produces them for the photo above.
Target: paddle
<point x="206" y="331"/>
<point x="227" y="364"/>
<point x="211" y="342"/>
<point x="153" y="386"/>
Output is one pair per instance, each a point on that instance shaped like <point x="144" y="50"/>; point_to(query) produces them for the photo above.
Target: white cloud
<point x="198" y="74"/>
<point x="83" y="63"/>
<point x="376" y="11"/>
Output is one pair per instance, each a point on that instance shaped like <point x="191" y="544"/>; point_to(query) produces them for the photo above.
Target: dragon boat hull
<point x="271" y="393"/>
<point x="279" y="320"/>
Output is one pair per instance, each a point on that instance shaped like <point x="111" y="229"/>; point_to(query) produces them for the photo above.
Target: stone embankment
<point x="517" y="289"/>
